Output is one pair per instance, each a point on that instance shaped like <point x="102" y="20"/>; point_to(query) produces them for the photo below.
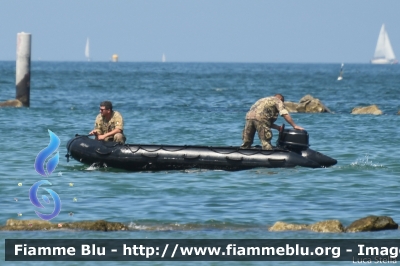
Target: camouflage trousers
<point x="264" y="133"/>
<point x="119" y="137"/>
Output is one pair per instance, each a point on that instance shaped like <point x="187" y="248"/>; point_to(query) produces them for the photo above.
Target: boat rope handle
<point x="68" y="155"/>
<point x="214" y="150"/>
<point x="129" y="147"/>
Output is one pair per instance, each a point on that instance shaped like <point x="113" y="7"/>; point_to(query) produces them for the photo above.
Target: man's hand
<point x="298" y="127"/>
<point x="93" y="132"/>
<point x="101" y="137"/>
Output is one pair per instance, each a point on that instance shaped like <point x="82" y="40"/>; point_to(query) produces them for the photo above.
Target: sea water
<point x="202" y="104"/>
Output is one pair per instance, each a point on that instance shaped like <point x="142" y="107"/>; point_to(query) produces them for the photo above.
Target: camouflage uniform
<point x="116" y="121"/>
<point x="260" y="118"/>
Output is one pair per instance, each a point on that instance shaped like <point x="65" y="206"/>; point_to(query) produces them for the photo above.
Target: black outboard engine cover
<point x="293" y="139"/>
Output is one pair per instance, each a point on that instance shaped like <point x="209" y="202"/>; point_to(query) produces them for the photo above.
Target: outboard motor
<point x="293" y="139"/>
<point x="297" y="141"/>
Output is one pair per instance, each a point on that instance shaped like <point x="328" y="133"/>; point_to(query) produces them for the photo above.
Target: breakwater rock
<point x="31" y="225"/>
<point x="11" y="103"/>
<point x="307" y="104"/>
<point x="328" y="226"/>
<point x="366" y="224"/>
<point x="371" y="110"/>
<point x="372" y="223"/>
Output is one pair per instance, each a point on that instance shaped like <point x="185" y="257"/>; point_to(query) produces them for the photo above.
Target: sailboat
<point x="87" y="52"/>
<point x="341" y="73"/>
<point x="163" y="59"/>
<point x="384" y="52"/>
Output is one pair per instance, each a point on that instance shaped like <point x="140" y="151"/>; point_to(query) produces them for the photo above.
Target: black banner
<point x="356" y="250"/>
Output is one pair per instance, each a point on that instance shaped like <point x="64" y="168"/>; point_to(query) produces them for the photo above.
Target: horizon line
<point x="197" y="62"/>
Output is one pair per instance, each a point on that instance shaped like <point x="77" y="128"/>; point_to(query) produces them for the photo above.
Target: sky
<point x="265" y="31"/>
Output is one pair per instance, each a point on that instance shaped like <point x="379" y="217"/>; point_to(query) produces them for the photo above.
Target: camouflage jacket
<point x="102" y="126"/>
<point x="266" y="110"/>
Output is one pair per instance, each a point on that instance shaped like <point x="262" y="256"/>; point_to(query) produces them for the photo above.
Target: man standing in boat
<point x="261" y="118"/>
<point x="109" y="124"/>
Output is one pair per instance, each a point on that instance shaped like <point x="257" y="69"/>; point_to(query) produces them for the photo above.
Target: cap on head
<point x="106" y="104"/>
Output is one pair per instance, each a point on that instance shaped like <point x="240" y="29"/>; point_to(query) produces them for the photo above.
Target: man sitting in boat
<point x="261" y="118"/>
<point x="109" y="124"/>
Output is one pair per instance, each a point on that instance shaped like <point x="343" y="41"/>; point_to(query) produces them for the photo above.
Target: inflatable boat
<point x="292" y="150"/>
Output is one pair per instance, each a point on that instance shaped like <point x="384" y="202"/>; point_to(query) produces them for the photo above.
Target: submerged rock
<point x="11" y="103"/>
<point x="99" y="225"/>
<point x="29" y="225"/>
<point x="372" y="223"/>
<point x="372" y="110"/>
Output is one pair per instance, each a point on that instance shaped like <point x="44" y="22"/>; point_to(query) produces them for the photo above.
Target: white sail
<point x="340" y="77"/>
<point x="87" y="51"/>
<point x="163" y="59"/>
<point x="384" y="53"/>
<point x="389" y="50"/>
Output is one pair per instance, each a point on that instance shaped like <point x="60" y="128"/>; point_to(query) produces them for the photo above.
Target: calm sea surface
<point x="203" y="104"/>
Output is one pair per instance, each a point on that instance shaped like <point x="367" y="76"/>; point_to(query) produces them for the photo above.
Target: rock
<point x="398" y="112"/>
<point x="291" y="107"/>
<point x="29" y="225"/>
<point x="99" y="225"/>
<point x="315" y="106"/>
<point x="372" y="223"/>
<point x="329" y="226"/>
<point x="309" y="104"/>
<point x="306" y="99"/>
<point x="11" y="103"/>
<point x="282" y="226"/>
<point x="372" y="109"/>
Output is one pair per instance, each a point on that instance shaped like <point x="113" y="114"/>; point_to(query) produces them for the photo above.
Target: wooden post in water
<point x="23" y="68"/>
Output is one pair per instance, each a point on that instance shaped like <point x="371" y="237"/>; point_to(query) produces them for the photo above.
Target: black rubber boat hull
<point x="138" y="157"/>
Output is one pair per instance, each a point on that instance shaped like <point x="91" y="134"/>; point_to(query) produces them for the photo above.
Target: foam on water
<point x="366" y="163"/>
